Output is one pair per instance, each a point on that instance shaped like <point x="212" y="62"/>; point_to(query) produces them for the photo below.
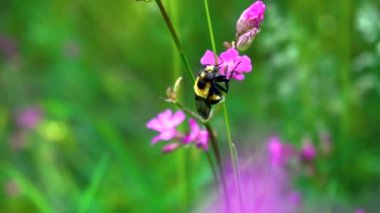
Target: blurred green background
<point x="94" y="72"/>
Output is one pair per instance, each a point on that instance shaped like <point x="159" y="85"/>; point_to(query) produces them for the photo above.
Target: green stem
<point x="213" y="144"/>
<point x="213" y="170"/>
<point x="175" y="39"/>
<point x="184" y="173"/>
<point x="233" y="155"/>
<point x="209" y="24"/>
<point x="218" y="158"/>
<point x="232" y="148"/>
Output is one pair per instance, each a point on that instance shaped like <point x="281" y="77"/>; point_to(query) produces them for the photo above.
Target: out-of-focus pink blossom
<point x="202" y="140"/>
<point x="200" y="137"/>
<point x="295" y="198"/>
<point x="279" y="152"/>
<point x="308" y="151"/>
<point x="248" y="25"/>
<point x="165" y="123"/>
<point x="264" y="189"/>
<point x="29" y="118"/>
<point x="360" y="211"/>
<point x="170" y="147"/>
<point x="229" y="61"/>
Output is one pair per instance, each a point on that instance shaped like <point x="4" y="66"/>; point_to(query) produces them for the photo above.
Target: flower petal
<point x="170" y="147"/>
<point x="244" y="65"/>
<point x="168" y="134"/>
<point x="202" y="140"/>
<point x="177" y="118"/>
<point x="209" y="58"/>
<point x="193" y="133"/>
<point x="229" y="55"/>
<point x="239" y="76"/>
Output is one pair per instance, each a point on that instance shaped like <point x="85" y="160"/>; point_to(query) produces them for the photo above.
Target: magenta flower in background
<point x="248" y="25"/>
<point x="360" y="211"/>
<point x="200" y="137"/>
<point x="165" y="123"/>
<point x="229" y="61"/>
<point x="308" y="151"/>
<point x="279" y="153"/>
<point x="29" y="118"/>
<point x="264" y="189"/>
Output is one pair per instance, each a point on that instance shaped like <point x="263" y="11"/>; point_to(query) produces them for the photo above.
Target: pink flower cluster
<point x="166" y="124"/>
<point x="247" y="27"/>
<point x="280" y="153"/>
<point x="229" y="61"/>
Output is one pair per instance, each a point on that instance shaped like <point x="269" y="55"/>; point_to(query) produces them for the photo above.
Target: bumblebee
<point x="209" y="88"/>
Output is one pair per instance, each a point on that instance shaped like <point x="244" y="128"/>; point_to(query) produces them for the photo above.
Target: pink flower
<point x="29" y="118"/>
<point x="170" y="147"/>
<point x="248" y="25"/>
<point x="264" y="189"/>
<point x="279" y="152"/>
<point x="308" y="151"/>
<point x="165" y="123"/>
<point x="229" y="61"/>
<point x="200" y="137"/>
<point x="360" y="211"/>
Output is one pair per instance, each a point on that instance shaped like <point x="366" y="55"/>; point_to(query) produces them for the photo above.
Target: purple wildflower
<point x="229" y="61"/>
<point x="264" y="189"/>
<point x="29" y="118"/>
<point x="200" y="137"/>
<point x="308" y="151"/>
<point x="279" y="152"/>
<point x="360" y="211"/>
<point x="165" y="123"/>
<point x="248" y="25"/>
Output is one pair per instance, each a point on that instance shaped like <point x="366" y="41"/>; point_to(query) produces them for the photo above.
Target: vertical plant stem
<point x="233" y="156"/>
<point x="212" y="138"/>
<point x="209" y="24"/>
<point x="232" y="148"/>
<point x="216" y="151"/>
<point x="213" y="170"/>
<point x="183" y="172"/>
<point x="175" y="39"/>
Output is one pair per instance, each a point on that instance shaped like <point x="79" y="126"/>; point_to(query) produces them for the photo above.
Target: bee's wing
<point x="203" y="107"/>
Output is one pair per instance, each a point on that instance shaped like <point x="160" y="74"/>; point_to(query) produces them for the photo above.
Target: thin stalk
<point x="233" y="155"/>
<point x="212" y="138"/>
<point x="218" y="158"/>
<point x="213" y="170"/>
<point x="175" y="39"/>
<point x="184" y="173"/>
<point x="209" y="24"/>
<point x="232" y="148"/>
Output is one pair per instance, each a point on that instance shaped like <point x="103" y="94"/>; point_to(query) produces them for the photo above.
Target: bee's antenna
<point x="220" y="63"/>
<point x="233" y="71"/>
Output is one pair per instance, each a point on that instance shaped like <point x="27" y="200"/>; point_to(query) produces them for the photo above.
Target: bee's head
<point x="209" y="72"/>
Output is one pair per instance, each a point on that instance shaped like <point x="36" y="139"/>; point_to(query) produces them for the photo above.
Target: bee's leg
<point x="223" y="89"/>
<point x="222" y="79"/>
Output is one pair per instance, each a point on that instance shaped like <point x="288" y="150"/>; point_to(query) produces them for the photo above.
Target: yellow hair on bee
<point x="203" y="93"/>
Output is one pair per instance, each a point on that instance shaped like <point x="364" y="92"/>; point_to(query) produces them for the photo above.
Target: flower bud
<point x="171" y="93"/>
<point x="248" y="25"/>
<point x="170" y="147"/>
